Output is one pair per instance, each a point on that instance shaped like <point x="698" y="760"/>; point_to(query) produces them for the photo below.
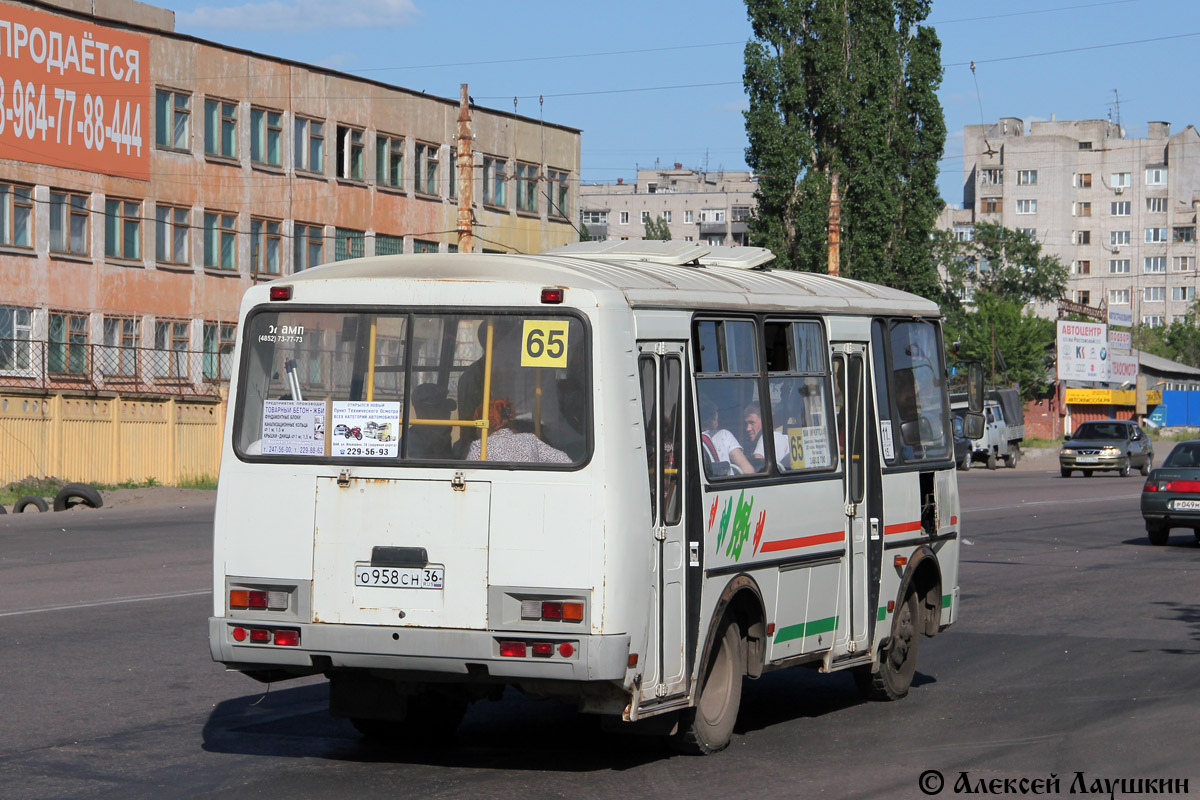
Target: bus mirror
<point x="917" y="431"/>
<point x="973" y="424"/>
<point x="975" y="387"/>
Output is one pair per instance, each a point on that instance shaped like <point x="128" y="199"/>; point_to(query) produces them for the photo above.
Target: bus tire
<point x="707" y="727"/>
<point x="32" y="500"/>
<point x="74" y="494"/>
<point x="898" y="660"/>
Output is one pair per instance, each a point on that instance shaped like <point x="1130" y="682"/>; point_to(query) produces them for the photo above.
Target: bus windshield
<point x="509" y="389"/>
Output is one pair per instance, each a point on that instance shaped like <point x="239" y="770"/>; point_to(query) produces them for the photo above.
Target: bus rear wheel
<point x="898" y="661"/>
<point x="707" y="727"/>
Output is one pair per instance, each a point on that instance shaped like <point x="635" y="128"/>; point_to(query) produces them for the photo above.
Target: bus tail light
<point x="543" y="649"/>
<point x="512" y="649"/>
<point x="281" y="293"/>
<point x="552" y="295"/>
<point x="260" y="635"/>
<point x="287" y="637"/>
<point x="552" y="610"/>
<point x="566" y="649"/>
<point x="258" y="599"/>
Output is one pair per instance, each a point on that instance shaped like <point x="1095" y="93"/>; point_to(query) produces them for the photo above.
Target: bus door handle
<point x="874" y="529"/>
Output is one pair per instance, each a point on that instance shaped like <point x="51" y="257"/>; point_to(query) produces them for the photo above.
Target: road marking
<point x="115" y="601"/>
<point x="1011" y="506"/>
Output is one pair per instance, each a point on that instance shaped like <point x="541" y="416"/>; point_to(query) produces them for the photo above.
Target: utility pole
<point x="465" y="166"/>
<point x="835" y="227"/>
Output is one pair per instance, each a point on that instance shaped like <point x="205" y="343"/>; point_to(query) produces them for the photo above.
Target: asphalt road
<point x="1077" y="651"/>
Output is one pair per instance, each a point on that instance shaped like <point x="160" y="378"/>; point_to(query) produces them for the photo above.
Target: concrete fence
<point x="109" y="439"/>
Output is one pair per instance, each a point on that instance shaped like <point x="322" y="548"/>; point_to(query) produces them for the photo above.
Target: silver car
<point x="1106" y="444"/>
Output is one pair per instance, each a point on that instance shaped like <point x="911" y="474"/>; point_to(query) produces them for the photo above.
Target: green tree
<point x="657" y="228"/>
<point x="1010" y="342"/>
<point x="1000" y="261"/>
<point x="846" y="89"/>
<point x="1179" y="341"/>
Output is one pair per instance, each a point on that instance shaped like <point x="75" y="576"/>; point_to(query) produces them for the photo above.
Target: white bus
<point x="620" y="474"/>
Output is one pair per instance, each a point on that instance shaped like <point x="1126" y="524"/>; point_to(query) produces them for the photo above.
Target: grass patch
<point x="1034" y="442"/>
<point x="48" y="487"/>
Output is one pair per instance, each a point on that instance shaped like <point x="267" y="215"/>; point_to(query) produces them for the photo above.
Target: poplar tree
<point x="846" y="87"/>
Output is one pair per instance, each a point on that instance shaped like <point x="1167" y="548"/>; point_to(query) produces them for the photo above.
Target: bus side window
<point x="797" y="380"/>
<point x="726" y="353"/>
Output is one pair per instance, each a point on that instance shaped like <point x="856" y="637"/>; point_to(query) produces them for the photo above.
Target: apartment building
<point x="710" y="207"/>
<point x="1120" y="211"/>
<point x="147" y="178"/>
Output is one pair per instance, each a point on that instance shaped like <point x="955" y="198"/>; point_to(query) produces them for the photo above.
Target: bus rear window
<point x="510" y="389"/>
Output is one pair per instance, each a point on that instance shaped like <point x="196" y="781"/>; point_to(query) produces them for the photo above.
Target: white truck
<point x="1004" y="429"/>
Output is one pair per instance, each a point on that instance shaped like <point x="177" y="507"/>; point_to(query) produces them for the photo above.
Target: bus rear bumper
<point x="471" y="654"/>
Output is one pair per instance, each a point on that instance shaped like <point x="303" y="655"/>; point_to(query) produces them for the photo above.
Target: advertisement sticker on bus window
<point x="796" y="447"/>
<point x="816" y="447"/>
<point x="885" y="438"/>
<point x="293" y="428"/>
<point x="365" y="429"/>
<point x="544" y="343"/>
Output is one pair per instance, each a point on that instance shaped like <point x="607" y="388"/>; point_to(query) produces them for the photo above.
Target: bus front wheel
<point x="898" y="661"/>
<point x="707" y="727"/>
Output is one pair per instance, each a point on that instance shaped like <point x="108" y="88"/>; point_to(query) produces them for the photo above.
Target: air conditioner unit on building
<point x="1119" y="189"/>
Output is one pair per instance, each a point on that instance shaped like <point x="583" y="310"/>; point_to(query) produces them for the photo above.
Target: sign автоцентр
<point x="73" y="94"/>
<point x="1082" y="349"/>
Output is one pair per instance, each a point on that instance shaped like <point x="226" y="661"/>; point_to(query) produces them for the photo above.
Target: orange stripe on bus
<point x="903" y="527"/>
<point x="953" y="519"/>
<point x="803" y="541"/>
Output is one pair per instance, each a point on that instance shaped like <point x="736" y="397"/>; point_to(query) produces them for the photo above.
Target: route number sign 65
<point x="544" y="343"/>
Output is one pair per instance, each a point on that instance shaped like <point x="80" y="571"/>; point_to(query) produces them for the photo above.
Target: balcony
<point x="712" y="227"/>
<point x="597" y="230"/>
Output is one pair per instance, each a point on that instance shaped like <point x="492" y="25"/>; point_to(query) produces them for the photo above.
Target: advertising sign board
<point x="1083" y="352"/>
<point x="1120" y="316"/>
<point x="73" y="94"/>
<point x="1124" y="368"/>
<point x="1119" y="340"/>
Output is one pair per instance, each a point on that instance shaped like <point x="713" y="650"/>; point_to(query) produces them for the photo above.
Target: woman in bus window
<point x="506" y="445"/>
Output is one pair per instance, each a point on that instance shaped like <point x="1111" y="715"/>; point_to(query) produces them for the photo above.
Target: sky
<point x="657" y="82"/>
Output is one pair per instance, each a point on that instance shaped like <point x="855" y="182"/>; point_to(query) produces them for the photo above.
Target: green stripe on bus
<point x="945" y="601"/>
<point x="882" y="613"/>
<point x="803" y="629"/>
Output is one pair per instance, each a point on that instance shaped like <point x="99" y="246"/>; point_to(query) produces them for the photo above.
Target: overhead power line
<point x="1071" y="50"/>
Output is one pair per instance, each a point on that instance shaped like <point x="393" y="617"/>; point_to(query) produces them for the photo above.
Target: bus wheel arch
<point x="924" y="576"/>
<point x="742" y="601"/>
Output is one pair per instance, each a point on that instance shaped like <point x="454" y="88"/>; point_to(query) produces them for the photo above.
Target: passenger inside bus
<point x="756" y="446"/>
<point x="722" y="452"/>
<point x="430" y="441"/>
<point x="506" y="445"/>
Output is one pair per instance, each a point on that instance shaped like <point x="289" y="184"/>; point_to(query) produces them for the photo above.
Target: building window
<point x="348" y="243"/>
<point x="172" y="120"/>
<point x="557" y="184"/>
<point x="1118" y="297"/>
<point x="265" y="244"/>
<point x="220" y="128"/>
<point x="308" y="242"/>
<point x="16" y="339"/>
<point x="171" y="342"/>
<point x="966" y="233"/>
<point x="689" y="217"/>
<point x="1154" y="320"/>
<point x="421" y="246"/>
<point x="425" y="170"/>
<point x="595" y="217"/>
<point x="349" y="153"/>
<point x="1154" y="294"/>
<point x="1082" y="209"/>
<point x="218" y="350"/>
<point x="495" y="179"/>
<point x="266" y="137"/>
<point x="624" y="217"/>
<point x="1153" y="264"/>
<point x="1155" y="235"/>
<point x="1083" y="297"/>
<point x="712" y="215"/>
<point x="1083" y="267"/>
<point x="68" y="223"/>
<point x="1118" y="266"/>
<point x="666" y="216"/>
<point x="716" y="240"/>
<point x="1122" y="179"/>
<point x="527" y="178"/>
<point x="1120" y="208"/>
<point x="1183" y="293"/>
<point x="386" y="245"/>
<point x="389" y="161"/>
<point x="452" y="177"/>
<point x="1156" y="176"/>
<point x="171" y="235"/>
<point x="645" y="217"/>
<point x="1083" y="180"/>
<point x="16" y="215"/>
<point x="1026" y="177"/>
<point x="1118" y="237"/>
<point x="1027" y="206"/>
<point x="991" y="176"/>
<point x="309" y="146"/>
<point x="122" y="229"/>
<point x="1156" y="205"/>
<point x="990" y="205"/>
<point x="118" y="356"/>
<point x="1183" y="263"/>
<point x="220" y="240"/>
<point x="1187" y="234"/>
<point x="1085" y="145"/>
<point x="740" y="213"/>
<point x="1083" y="237"/>
<point x="67" y="351"/>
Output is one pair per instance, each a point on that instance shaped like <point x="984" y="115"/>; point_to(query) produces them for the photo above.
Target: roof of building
<point x="1164" y="365"/>
<point x="642" y="283"/>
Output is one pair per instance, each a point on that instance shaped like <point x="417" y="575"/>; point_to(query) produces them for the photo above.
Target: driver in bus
<point x="506" y="445"/>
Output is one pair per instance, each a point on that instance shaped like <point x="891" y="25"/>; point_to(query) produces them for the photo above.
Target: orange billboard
<point x="73" y="94"/>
